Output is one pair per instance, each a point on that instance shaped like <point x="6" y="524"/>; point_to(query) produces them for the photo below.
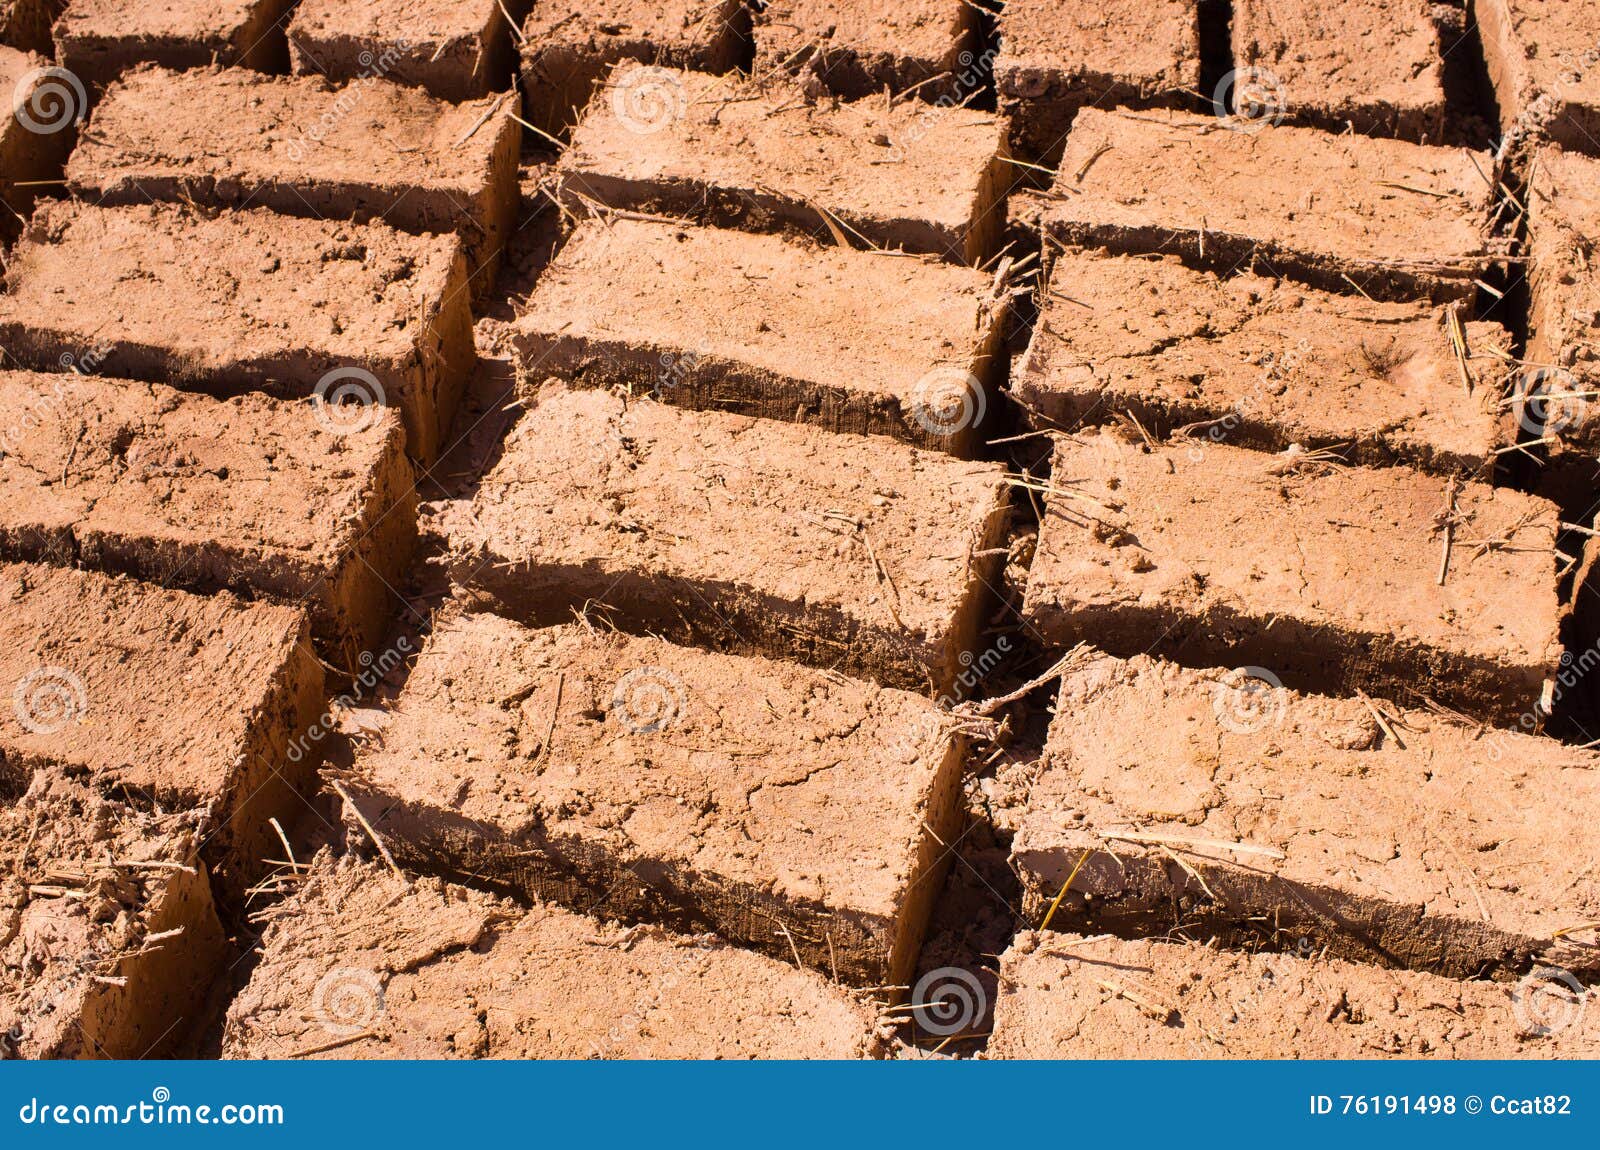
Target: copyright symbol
<point x="1474" y="1104"/>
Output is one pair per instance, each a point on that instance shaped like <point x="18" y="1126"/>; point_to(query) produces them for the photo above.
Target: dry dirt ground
<point x="799" y="528"/>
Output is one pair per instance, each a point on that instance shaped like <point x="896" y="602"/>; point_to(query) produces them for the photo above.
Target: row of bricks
<point x="1053" y="57"/>
<point x="463" y="975"/>
<point x="759" y="356"/>
<point x="817" y="833"/>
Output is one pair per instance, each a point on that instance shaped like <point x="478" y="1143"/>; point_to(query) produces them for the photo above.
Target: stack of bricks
<point x="1289" y="581"/>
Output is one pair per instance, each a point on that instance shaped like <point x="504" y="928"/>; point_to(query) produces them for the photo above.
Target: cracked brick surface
<point x="1395" y="219"/>
<point x="1544" y="60"/>
<point x="253" y="494"/>
<point x="1286" y="821"/>
<point x="1107" y="998"/>
<point x="431" y="970"/>
<point x="770" y="326"/>
<point x="300" y="145"/>
<point x="456" y="49"/>
<point x="187" y="701"/>
<point x="568" y="47"/>
<point x="761" y="157"/>
<point x="149" y="292"/>
<point x="109" y="939"/>
<point x="1374" y="65"/>
<point x="98" y="39"/>
<point x="1263" y="363"/>
<point x="1057" y="56"/>
<point x="857" y="48"/>
<point x="1329" y="577"/>
<point x="35" y="138"/>
<point x="790" y="809"/>
<point x="743" y="533"/>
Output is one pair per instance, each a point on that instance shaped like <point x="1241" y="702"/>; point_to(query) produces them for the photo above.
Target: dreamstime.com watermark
<point x="48" y="100"/>
<point x="374" y="68"/>
<point x="48" y="700"/>
<point x="1249" y="99"/>
<point x="374" y="669"/>
<point x="158" y="1110"/>
<point x="973" y="72"/>
<point x="649" y="700"/>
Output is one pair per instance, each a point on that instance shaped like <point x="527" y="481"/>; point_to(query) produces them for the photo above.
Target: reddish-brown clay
<point x="37" y="135"/>
<point x="25" y="24"/>
<point x="760" y="156"/>
<point x="1544" y="59"/>
<point x="1333" y="578"/>
<point x="1264" y="363"/>
<point x="1069" y="997"/>
<point x="770" y="326"/>
<point x="745" y="534"/>
<point x="247" y="300"/>
<point x="111" y="941"/>
<point x="456" y="49"/>
<point x="360" y="964"/>
<point x="1374" y="65"/>
<point x="188" y="702"/>
<point x="369" y="150"/>
<point x="97" y="39"/>
<point x="568" y="46"/>
<point x="791" y="810"/>
<point x="254" y="494"/>
<point x="1057" y="56"/>
<point x="1386" y="218"/>
<point x="857" y="48"/>
<point x="1267" y="818"/>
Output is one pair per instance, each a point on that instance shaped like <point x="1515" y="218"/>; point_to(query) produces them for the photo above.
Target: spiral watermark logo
<point x="1553" y="402"/>
<point x="347" y="1001"/>
<point x="948" y="400"/>
<point x="1549" y="1000"/>
<point x="647" y="99"/>
<point x="49" y="699"/>
<point x="46" y="100"/>
<point x="1249" y="99"/>
<point x="649" y="699"/>
<point x="348" y="400"/>
<point x="948" y="1000"/>
<point x="1249" y="699"/>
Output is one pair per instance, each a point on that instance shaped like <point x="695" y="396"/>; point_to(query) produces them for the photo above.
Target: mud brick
<point x="299" y="145"/>
<point x="246" y="300"/>
<point x="253" y="494"/>
<point x="1263" y="363"/>
<point x="1564" y="304"/>
<point x="857" y="48"/>
<point x="770" y="326"/>
<point x="1110" y="998"/>
<point x="456" y="49"/>
<point x="643" y="780"/>
<point x="1345" y="213"/>
<point x="432" y="970"/>
<point x="1329" y="577"/>
<point x="758" y="156"/>
<point x="182" y="700"/>
<point x="1057" y="56"/>
<point x="35" y="138"/>
<point x="738" y="533"/>
<point x="112" y="939"/>
<point x="1274" y="819"/>
<point x="25" y="24"/>
<point x="97" y="39"/>
<point x="567" y="48"/>
<point x="1544" y="60"/>
<point x="1374" y="65"/>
